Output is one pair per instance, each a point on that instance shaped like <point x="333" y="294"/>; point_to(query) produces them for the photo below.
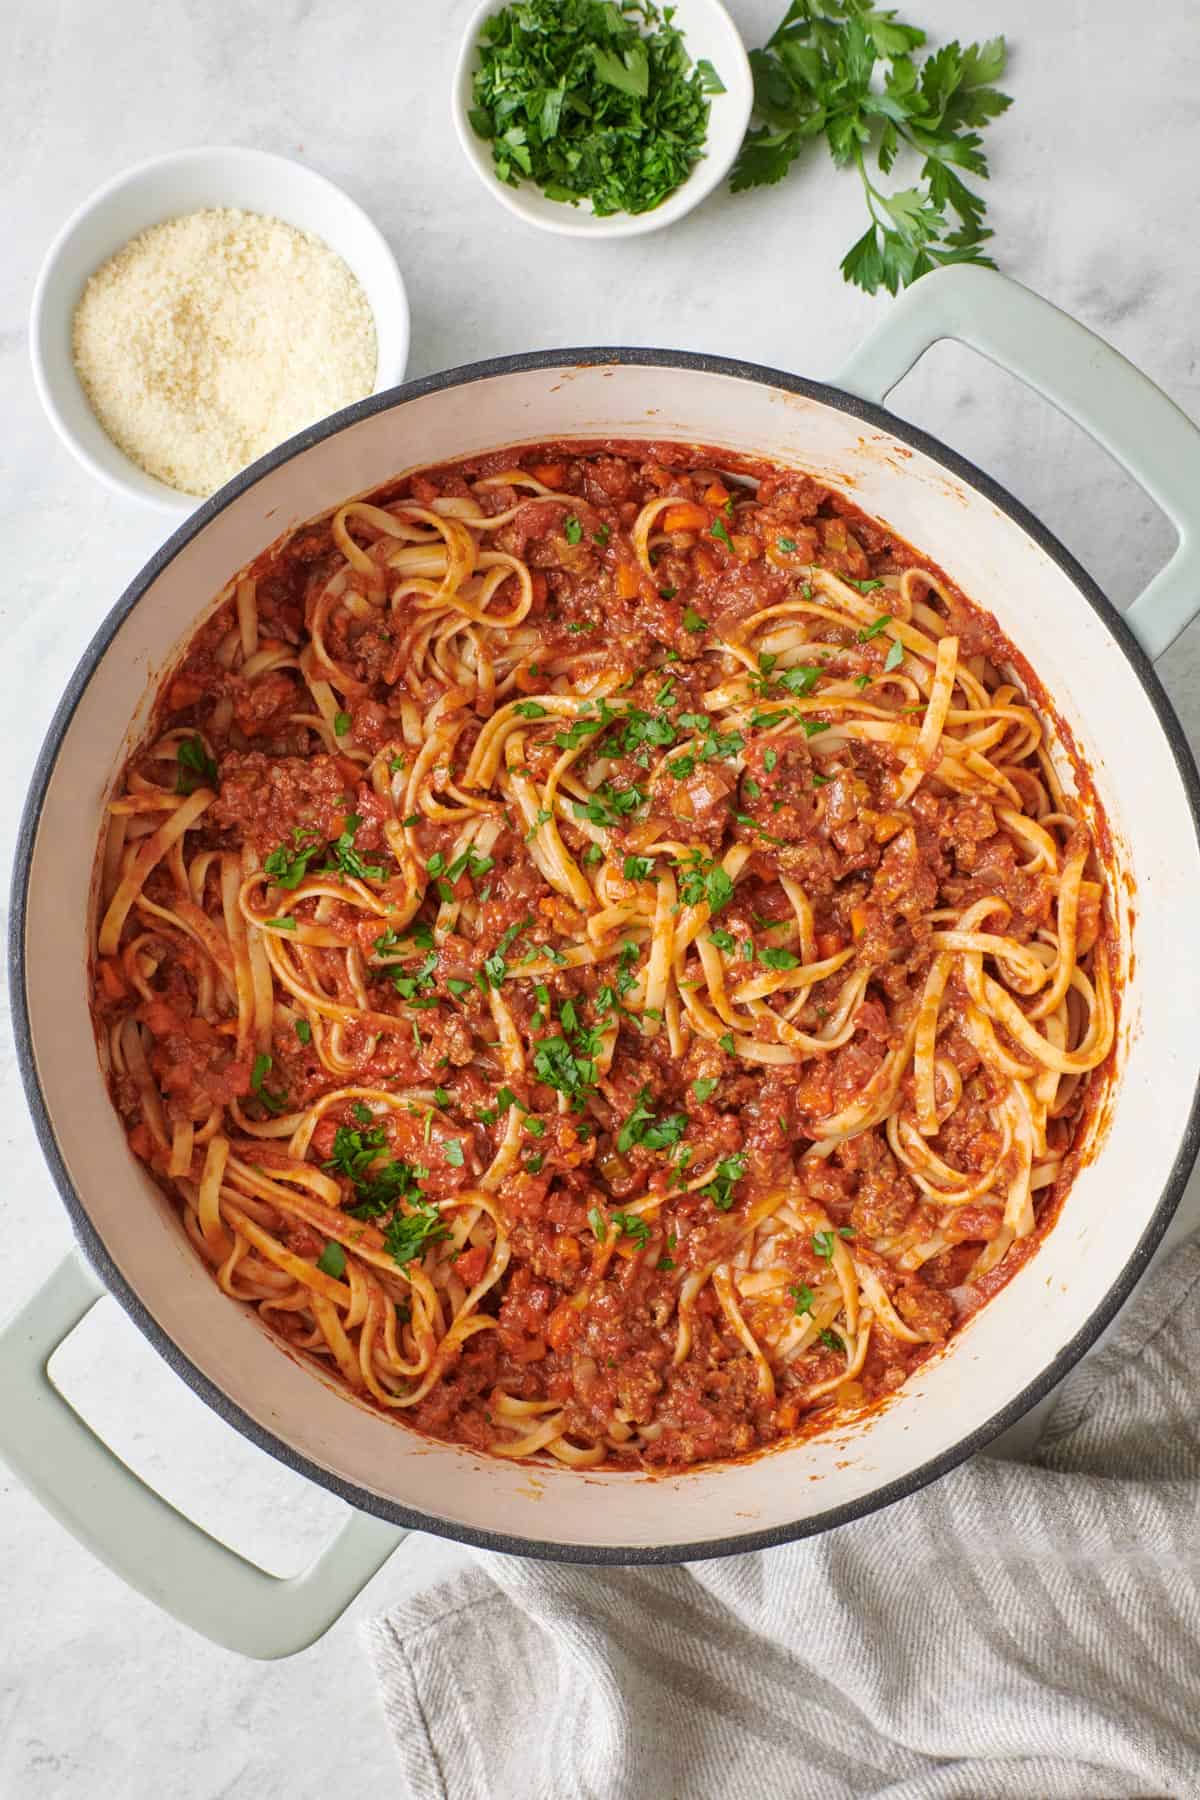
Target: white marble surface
<point x="1095" y="194"/>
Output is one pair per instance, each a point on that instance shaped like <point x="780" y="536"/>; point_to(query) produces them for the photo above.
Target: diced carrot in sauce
<point x="470" y="1264"/>
<point x="111" y="979"/>
<point x="858" y="920"/>
<point x="627" y="581"/>
<point x="828" y="944"/>
<point x="184" y="691"/>
<point x="141" y="1142"/>
<point x="745" y="548"/>
<point x="563" y="1324"/>
<point x="551" y="475"/>
<point x="567" y="1247"/>
<point x="787" y="1415"/>
<point x="685" y="516"/>
<point x="717" y="494"/>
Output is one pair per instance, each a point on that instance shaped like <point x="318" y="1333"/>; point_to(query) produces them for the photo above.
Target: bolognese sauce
<point x="599" y="951"/>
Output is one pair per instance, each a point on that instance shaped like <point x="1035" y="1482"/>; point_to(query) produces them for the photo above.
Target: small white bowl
<point x="708" y="32"/>
<point x="164" y="188"/>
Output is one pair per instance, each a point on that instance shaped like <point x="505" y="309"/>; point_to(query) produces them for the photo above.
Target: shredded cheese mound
<point x="211" y="338"/>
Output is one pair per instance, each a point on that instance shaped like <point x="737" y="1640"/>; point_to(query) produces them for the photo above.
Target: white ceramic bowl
<point x="708" y="32"/>
<point x="163" y="188"/>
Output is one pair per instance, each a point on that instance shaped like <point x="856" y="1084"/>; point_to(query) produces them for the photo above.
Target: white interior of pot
<point x="1018" y="1335"/>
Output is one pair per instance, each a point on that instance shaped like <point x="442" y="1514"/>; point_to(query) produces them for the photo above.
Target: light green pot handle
<point x="1086" y="379"/>
<point x="134" y="1530"/>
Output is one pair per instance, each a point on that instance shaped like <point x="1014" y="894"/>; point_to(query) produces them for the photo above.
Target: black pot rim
<point x="92" y="1243"/>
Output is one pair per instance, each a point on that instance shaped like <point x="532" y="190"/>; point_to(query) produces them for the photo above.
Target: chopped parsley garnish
<point x="196" y="766"/>
<point x="572" y="529"/>
<point x="347" y="858"/>
<point x="823" y="1243"/>
<point x="787" y="545"/>
<point x="722" y="939"/>
<point x="638" y="868"/>
<point x="726" y="1043"/>
<point x="641" y="1127"/>
<point x="407" y="1235"/>
<point x="453" y="1152"/>
<point x="705" y="1086"/>
<point x="832" y="1341"/>
<point x="802" y="1296"/>
<point x="287" y="868"/>
<point x="630" y="1225"/>
<point x="588" y="100"/>
<point x="608" y="805"/>
<point x="799" y="681"/>
<point x="409" y="987"/>
<point x="495" y="968"/>
<point x="638" y="729"/>
<point x="692" y="620"/>
<point x="770" y="758"/>
<point x="569" y="1070"/>
<point x="282" y="924"/>
<point x="274" y="1103"/>
<point x="779" y="959"/>
<point x="727" y="1174"/>
<point x="812" y="727"/>
<point x="583" y="729"/>
<point x="667" y="593"/>
<point x="304" y="1031"/>
<point x="895" y="656"/>
<point x="341" y="724"/>
<point x="442" y="1096"/>
<point x="470" y="863"/>
<point x="534" y="1163"/>
<point x="874" y="628"/>
<point x="531" y="709"/>
<point x="703" y="882"/>
<point x="718" y="530"/>
<point x="332" y="1260"/>
<point x="601" y="536"/>
<point x="378" y="1189"/>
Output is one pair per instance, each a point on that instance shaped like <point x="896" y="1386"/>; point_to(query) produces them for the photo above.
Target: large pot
<point x="1096" y="665"/>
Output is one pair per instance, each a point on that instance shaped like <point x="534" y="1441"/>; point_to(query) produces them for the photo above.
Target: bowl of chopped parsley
<point x="602" y="118"/>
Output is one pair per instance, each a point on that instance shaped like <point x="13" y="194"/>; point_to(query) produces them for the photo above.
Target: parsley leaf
<point x="196" y="766"/>
<point x="705" y="1086"/>
<point x="692" y="620"/>
<point x="895" y="655"/>
<point x="726" y="1175"/>
<point x="630" y="1225"/>
<point x="332" y="1260"/>
<point x="641" y="1127"/>
<point x="572" y="529"/>
<point x="274" y="1103"/>
<point x="803" y="1297"/>
<point x="701" y="881"/>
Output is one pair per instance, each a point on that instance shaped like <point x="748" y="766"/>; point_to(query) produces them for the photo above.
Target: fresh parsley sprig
<point x="817" y="77"/>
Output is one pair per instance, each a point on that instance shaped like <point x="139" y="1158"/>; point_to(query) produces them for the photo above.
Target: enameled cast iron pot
<point x="1098" y="669"/>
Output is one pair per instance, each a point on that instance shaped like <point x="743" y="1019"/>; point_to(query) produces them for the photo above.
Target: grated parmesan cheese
<point x="210" y="338"/>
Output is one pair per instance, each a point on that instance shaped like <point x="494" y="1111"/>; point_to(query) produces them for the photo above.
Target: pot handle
<point x="134" y="1530"/>
<point x="1086" y="379"/>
